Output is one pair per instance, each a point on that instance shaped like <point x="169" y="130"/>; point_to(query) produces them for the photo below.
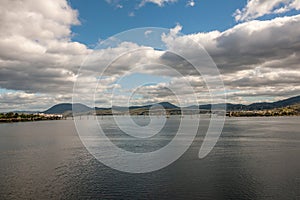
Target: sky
<point x="98" y="52"/>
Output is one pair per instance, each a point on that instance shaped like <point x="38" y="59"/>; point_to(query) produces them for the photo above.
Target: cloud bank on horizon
<point x="258" y="59"/>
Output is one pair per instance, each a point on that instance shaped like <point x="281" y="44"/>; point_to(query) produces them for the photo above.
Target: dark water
<point x="257" y="158"/>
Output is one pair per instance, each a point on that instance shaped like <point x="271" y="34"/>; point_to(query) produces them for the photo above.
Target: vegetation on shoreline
<point x="17" y="117"/>
<point x="293" y="110"/>
<point x="286" y="111"/>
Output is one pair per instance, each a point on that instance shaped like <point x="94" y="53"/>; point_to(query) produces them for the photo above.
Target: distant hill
<point x="278" y="104"/>
<point x="228" y="106"/>
<point x="64" y="107"/>
<point x="165" y="105"/>
<point x="168" y="105"/>
<point x="255" y="106"/>
<point x="81" y="108"/>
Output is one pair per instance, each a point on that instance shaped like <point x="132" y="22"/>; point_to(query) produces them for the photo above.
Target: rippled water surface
<point x="255" y="158"/>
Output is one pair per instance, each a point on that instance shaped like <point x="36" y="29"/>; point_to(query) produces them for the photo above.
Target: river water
<point x="255" y="158"/>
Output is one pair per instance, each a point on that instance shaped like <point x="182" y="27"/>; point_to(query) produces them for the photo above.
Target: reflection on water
<point x="256" y="158"/>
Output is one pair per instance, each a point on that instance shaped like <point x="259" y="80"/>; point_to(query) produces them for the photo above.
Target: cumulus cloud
<point x="160" y="3"/>
<point x="258" y="8"/>
<point x="252" y="57"/>
<point x="23" y="101"/>
<point x="191" y="3"/>
<point x="141" y="3"/>
<point x="36" y="51"/>
<point x="248" y="45"/>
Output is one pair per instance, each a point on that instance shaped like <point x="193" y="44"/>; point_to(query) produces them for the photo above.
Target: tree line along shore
<point x="23" y="117"/>
<point x="293" y="110"/>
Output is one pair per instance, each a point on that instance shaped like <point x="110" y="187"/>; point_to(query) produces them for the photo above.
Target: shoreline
<point x="27" y="120"/>
<point x="229" y="117"/>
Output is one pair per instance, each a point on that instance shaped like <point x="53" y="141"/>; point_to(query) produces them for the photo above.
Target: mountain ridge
<point x="81" y="108"/>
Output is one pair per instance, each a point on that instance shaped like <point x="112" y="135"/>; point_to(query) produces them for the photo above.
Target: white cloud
<point x="251" y="56"/>
<point x="160" y="3"/>
<point x="131" y="14"/>
<point x="247" y="44"/>
<point x="191" y="3"/>
<point x="36" y="51"/>
<point x="258" y="8"/>
<point x="119" y="6"/>
<point x="141" y="3"/>
<point x="255" y="59"/>
<point x="23" y="101"/>
<point x="148" y="32"/>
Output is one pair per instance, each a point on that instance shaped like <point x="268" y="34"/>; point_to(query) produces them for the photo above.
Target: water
<point x="256" y="158"/>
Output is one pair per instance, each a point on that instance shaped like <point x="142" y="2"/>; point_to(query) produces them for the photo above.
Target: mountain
<point x="81" y="108"/>
<point x="255" y="106"/>
<point x="228" y="106"/>
<point x="64" y="107"/>
<point x="165" y="105"/>
<point x="278" y="104"/>
<point x="168" y="105"/>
